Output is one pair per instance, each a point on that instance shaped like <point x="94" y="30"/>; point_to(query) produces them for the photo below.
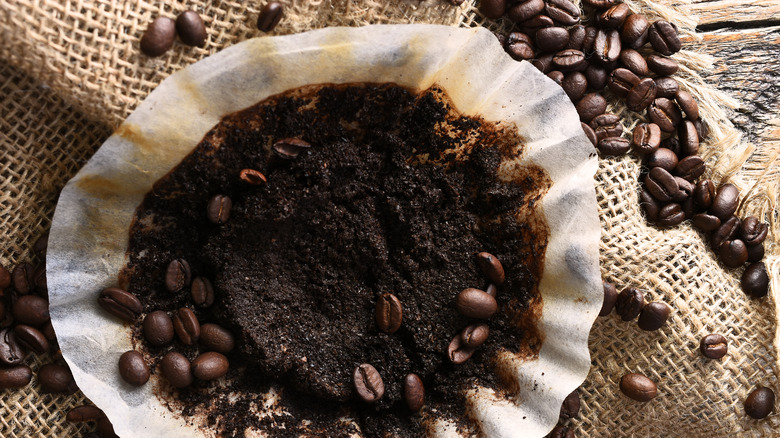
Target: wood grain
<point x="719" y="13"/>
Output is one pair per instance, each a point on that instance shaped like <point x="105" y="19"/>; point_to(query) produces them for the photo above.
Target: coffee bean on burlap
<point x="158" y="328"/>
<point x="733" y="253"/>
<point x="752" y="231"/>
<point x="176" y="369"/>
<point x="557" y="77"/>
<point x="599" y="4"/>
<point x="11" y="351"/>
<point x="576" y="37"/>
<point x="31" y="338"/>
<point x="120" y="303"/>
<point x="5" y="278"/>
<point x="597" y="77"/>
<point x="31" y="310"/>
<point x="641" y="95"/>
<point x="561" y="431"/>
<point x="614" y="17"/>
<point x="606" y="47"/>
<point x="666" y="87"/>
<point x="56" y="379"/>
<point x="634" y="31"/>
<point x="217" y="338"/>
<point x="650" y="205"/>
<point x="105" y="429"/>
<point x="13" y="377"/>
<point x="22" y="278"/>
<point x="571" y="405"/>
<point x="653" y="315"/>
<point x="726" y="231"/>
<point x="414" y="392"/>
<point x="613" y="146"/>
<point x="661" y="184"/>
<point x="533" y="24"/>
<point x="690" y="168"/>
<point x="688" y="104"/>
<point x="663" y="158"/>
<point x="368" y="383"/>
<point x="574" y="84"/>
<point x="755" y="280"/>
<point x="191" y="29"/>
<point x="568" y="60"/>
<point x="713" y="346"/>
<point x="665" y="113"/>
<point x="663" y="37"/>
<point x="590" y="133"/>
<point x="271" y="14"/>
<point x="704" y="193"/>
<point x="84" y="413"/>
<point x="40" y="281"/>
<point x="590" y="106"/>
<point x="671" y="215"/>
<point x="519" y="46"/>
<point x="606" y="125"/>
<point x="563" y="11"/>
<point x="760" y="402"/>
<point x="629" y="303"/>
<point x="705" y="222"/>
<point x="635" y="62"/>
<point x="158" y="37"/>
<point x="726" y="201"/>
<point x="621" y="81"/>
<point x="544" y="63"/>
<point x="552" y="39"/>
<point x="755" y="252"/>
<point x="661" y="65"/>
<point x="638" y="387"/>
<point x="133" y="369"/>
<point x="646" y="138"/>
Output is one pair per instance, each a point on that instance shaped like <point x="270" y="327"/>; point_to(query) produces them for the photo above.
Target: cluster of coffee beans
<point x="630" y="303"/>
<point x="159" y="36"/>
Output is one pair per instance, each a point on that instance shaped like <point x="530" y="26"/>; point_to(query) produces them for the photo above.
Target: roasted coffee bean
<point x="11" y="352"/>
<point x="760" y="402"/>
<point x="84" y="413"/>
<point x="202" y="292"/>
<point x="688" y="207"/>
<point x="368" y="383"/>
<point x="557" y="77"/>
<point x="614" y="17"/>
<point x="544" y="63"/>
<point x="158" y="328"/>
<point x="105" y="429"/>
<point x="457" y="352"/>
<point x="14" y="377"/>
<point x="561" y="431"/>
<point x="574" y="84"/>
<point x="218" y="209"/>
<point x="176" y="369"/>
<point x="599" y="4"/>
<point x="663" y="158"/>
<point x="690" y="168"/>
<point x="576" y="37"/>
<point x="271" y="15"/>
<point x="755" y="252"/>
<point x="5" y="279"/>
<point x="705" y="222"/>
<point x="492" y="8"/>
<point x="653" y="315"/>
<point x="590" y="40"/>
<point x="704" y="193"/>
<point x="186" y="326"/>
<point x="217" y="338"/>
<point x="56" y="379"/>
<point x="48" y="332"/>
<point x="613" y="146"/>
<point x="571" y="405"/>
<point x="597" y="77"/>
<point x="610" y="296"/>
<point x="158" y="37"/>
<point x="31" y="338"/>
<point x="663" y="37"/>
<point x="651" y="206"/>
<point x="552" y="39"/>
<point x="621" y="81"/>
<point x="713" y="346"/>
<point x="568" y="60"/>
<point x="253" y="177"/>
<point x="726" y="231"/>
<point x="671" y="215"/>
<point x="661" y="184"/>
<point x="689" y="139"/>
<point x="289" y="148"/>
<point x="210" y="366"/>
<point x="688" y="105"/>
<point x="388" y="314"/>
<point x="22" y="278"/>
<point x="31" y="310"/>
<point x="491" y="268"/>
<point x="133" y="369"/>
<point x="638" y="387"/>
<point x="474" y="303"/>
<point x="590" y="133"/>
<point x="533" y="24"/>
<point x="590" y="106"/>
<point x="702" y="129"/>
<point x="629" y="303"/>
<point x="177" y="275"/>
<point x="752" y="231"/>
<point x="684" y="190"/>
<point x="563" y="11"/>
<point x="519" y="46"/>
<point x="120" y="303"/>
<point x="634" y="31"/>
<point x="635" y="62"/>
<point x="191" y="29"/>
<point x="39" y="247"/>
<point x="646" y="138"/>
<point x="755" y="280"/>
<point x="665" y="113"/>
<point x="641" y="95"/>
<point x="726" y="201"/>
<point x="474" y="335"/>
<point x="606" y="125"/>
<point x="607" y="47"/>
<point x="662" y="66"/>
<point x="523" y="10"/>
<point x="666" y="87"/>
<point x="414" y="392"/>
<point x="491" y="290"/>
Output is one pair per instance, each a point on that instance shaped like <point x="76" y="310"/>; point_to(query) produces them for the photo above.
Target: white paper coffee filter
<point x="89" y="234"/>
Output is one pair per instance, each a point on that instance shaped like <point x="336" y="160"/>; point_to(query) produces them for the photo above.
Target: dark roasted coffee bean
<point x="571" y="405"/>
<point x="755" y="280"/>
<point x="186" y="326"/>
<point x="15" y="377"/>
<point x="5" y="279"/>
<point x="457" y="352"/>
<point x="576" y="37"/>
<point x="574" y="84"/>
<point x="474" y="303"/>
<point x="368" y="383"/>
<point x="662" y="66"/>
<point x="158" y="328"/>
<point x="752" y="231"/>
<point x="613" y="146"/>
<point x="177" y="275"/>
<point x="654" y="315"/>
<point x="217" y="338"/>
<point x="120" y="303"/>
<point x="705" y="222"/>
<point x="552" y="39"/>
<point x="523" y="10"/>
<point x="726" y="201"/>
<point x="563" y="11"/>
<point x="614" y="17"/>
<point x="475" y="335"/>
<point x="48" y="332"/>
<point x="491" y="268"/>
<point x="56" y="379"/>
<point x="635" y="62"/>
<point x="597" y="77"/>
<point x="663" y="37"/>
<point x="621" y="81"/>
<point x="31" y="338"/>
<point x="606" y="125"/>
<point x="568" y="60"/>
<point x="105" y="429"/>
<point x="531" y="25"/>
<point x="641" y="95"/>
<point x="519" y="46"/>
<point x="726" y="231"/>
<point x="158" y="37"/>
<point x="561" y="431"/>
<point x="599" y="4"/>
<point x="389" y="313"/>
<point x="663" y="158"/>
<point x="689" y="138"/>
<point x="704" y="193"/>
<point x="544" y="63"/>
<point x="713" y="346"/>
<point x="666" y="87"/>
<point x="191" y="29"/>
<point x="590" y="133"/>
<point x="557" y="76"/>
<point x="688" y="105"/>
<point x="253" y="177"/>
<point x="590" y="40"/>
<point x="606" y="47"/>
<point x="176" y="369"/>
<point x="755" y="252"/>
<point x="31" y="310"/>
<point x="661" y="184"/>
<point x="702" y="129"/>
<point x="651" y="206"/>
<point x="133" y="369"/>
<point x="218" y="209"/>
<point x="638" y="387"/>
<point x="39" y="247"/>
<point x="671" y="215"/>
<point x="684" y="190"/>
<point x="629" y="303"/>
<point x="84" y="413"/>
<point x="646" y="138"/>
<point x="210" y="366"/>
<point x="760" y="402"/>
<point x="290" y="148"/>
<point x="414" y="392"/>
<point x="690" y="168"/>
<point x="610" y="296"/>
<point x="665" y="113"/>
<point x="202" y="292"/>
<point x="11" y="352"/>
<point x="272" y="14"/>
<point x="491" y="290"/>
<point x="634" y="31"/>
<point x="590" y="106"/>
<point x="22" y="277"/>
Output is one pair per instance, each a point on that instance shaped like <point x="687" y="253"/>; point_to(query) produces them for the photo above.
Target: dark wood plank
<point x="715" y="12"/>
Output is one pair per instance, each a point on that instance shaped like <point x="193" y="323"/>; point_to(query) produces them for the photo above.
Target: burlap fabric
<point x="72" y="71"/>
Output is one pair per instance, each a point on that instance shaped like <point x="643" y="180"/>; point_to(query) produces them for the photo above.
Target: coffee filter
<point x="89" y="234"/>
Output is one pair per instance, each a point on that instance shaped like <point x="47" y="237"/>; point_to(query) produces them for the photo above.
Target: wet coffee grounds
<point x="397" y="194"/>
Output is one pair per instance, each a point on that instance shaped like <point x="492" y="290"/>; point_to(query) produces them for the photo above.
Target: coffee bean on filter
<point x="133" y="368"/>
<point x="270" y="16"/>
<point x="368" y="383"/>
<point x="120" y="303"/>
<point x="638" y="387"/>
<point x="414" y="392"/>
<point x="191" y="29"/>
<point x="158" y="37"/>
<point x="760" y="402"/>
<point x="755" y="280"/>
<point x="713" y="346"/>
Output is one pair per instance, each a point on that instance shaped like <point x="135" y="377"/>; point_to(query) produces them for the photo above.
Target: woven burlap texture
<point x="71" y="71"/>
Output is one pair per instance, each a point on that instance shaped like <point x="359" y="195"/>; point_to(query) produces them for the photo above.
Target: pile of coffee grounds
<point x="397" y="194"/>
